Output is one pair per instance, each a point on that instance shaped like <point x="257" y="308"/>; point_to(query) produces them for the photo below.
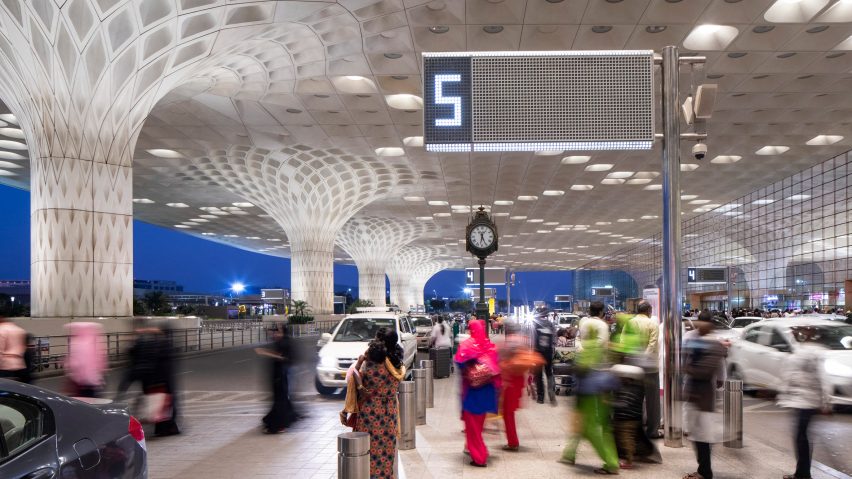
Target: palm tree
<point x="300" y="308"/>
<point x="156" y="302"/>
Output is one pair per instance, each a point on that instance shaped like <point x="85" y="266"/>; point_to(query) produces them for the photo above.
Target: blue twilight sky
<point x="205" y="266"/>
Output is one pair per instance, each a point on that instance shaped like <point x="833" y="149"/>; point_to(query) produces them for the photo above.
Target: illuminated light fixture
<point x="821" y="140"/>
<point x="620" y="174"/>
<point x="439" y="29"/>
<point x="582" y="187"/>
<point x="182" y="226"/>
<point x="390" y="151"/>
<point x="243" y="204"/>
<point x="7" y="173"/>
<point x="798" y="197"/>
<point x="535" y="146"/>
<point x="231" y="236"/>
<point x="653" y="187"/>
<point x="542" y="232"/>
<point x="404" y="101"/>
<point x="273" y="239"/>
<point x="772" y="150"/>
<point x="210" y="217"/>
<point x="199" y="220"/>
<point x="551" y="223"/>
<point x="441" y="215"/>
<point x="688" y="166"/>
<point x="549" y="152"/>
<point x="438" y="203"/>
<point x="190" y="223"/>
<point x="424" y="218"/>
<point x="164" y="153"/>
<point x="794" y="11"/>
<point x="726" y="159"/>
<point x="412" y="141"/>
<point x="688" y="197"/>
<point x="144" y="201"/>
<point x="699" y="202"/>
<point x="12" y="133"/>
<point x="8" y="155"/>
<point x="527" y="198"/>
<point x="177" y="205"/>
<point x="355" y="78"/>
<point x="231" y="208"/>
<point x="603" y="223"/>
<point x="237" y="287"/>
<point x="710" y="37"/>
<point x="575" y="160"/>
<point x="599" y="167"/>
<point x="535" y="220"/>
<point x="625" y="220"/>
<point x="763" y="202"/>
<point x="9" y="117"/>
<point x="553" y="192"/>
<point x="414" y="198"/>
<point x="612" y="181"/>
<point x="728" y="207"/>
<point x="500" y="214"/>
<point x="649" y="217"/>
<point x="253" y="237"/>
<point x="504" y="203"/>
<point x="638" y="181"/>
<point x="208" y="234"/>
<point x="518" y="218"/>
<point x="12" y="145"/>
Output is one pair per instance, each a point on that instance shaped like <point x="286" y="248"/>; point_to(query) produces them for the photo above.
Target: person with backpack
<point x="478" y="361"/>
<point x="544" y="341"/>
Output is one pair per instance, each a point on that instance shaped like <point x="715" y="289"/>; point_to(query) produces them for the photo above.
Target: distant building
<point x="16" y="288"/>
<point x="142" y="286"/>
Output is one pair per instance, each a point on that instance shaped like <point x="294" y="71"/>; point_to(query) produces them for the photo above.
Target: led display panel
<point x="527" y="101"/>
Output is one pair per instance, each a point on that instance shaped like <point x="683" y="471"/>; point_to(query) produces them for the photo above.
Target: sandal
<point x="603" y="470"/>
<point x="693" y="475"/>
<point x="476" y="464"/>
<point x="509" y="448"/>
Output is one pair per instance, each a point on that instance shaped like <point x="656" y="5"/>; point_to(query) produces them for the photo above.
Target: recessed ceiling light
<point x="638" y="181"/>
<point x="404" y="101"/>
<point x="655" y="28"/>
<point x="831" y="56"/>
<point x="178" y="205"/>
<point x="144" y="201"/>
<point x="393" y="56"/>
<point x="208" y="234"/>
<point x="601" y="28"/>
<point x="294" y="110"/>
<point x="535" y="220"/>
<point x="503" y="213"/>
<point x="553" y="193"/>
<point x="786" y="55"/>
<point x="821" y="140"/>
<point x="243" y="204"/>
<point x="438" y="203"/>
<point x="518" y="218"/>
<point x="599" y="167"/>
<point x="653" y="187"/>
<point x="688" y="197"/>
<point x="439" y="29"/>
<point x="182" y="226"/>
<point x="441" y="215"/>
<point x="504" y="203"/>
<point x="390" y="151"/>
<point x="763" y="28"/>
<point x="726" y="159"/>
<point x="548" y="152"/>
<point x="413" y="141"/>
<point x="575" y="160"/>
<point x="772" y="150"/>
<point x="164" y="153"/>
<point x="798" y="197"/>
<point x="413" y="198"/>
<point x="710" y="37"/>
<point x="764" y="201"/>
<point x="649" y="217"/>
<point x="527" y="198"/>
<point x="688" y="166"/>
<point x="714" y="76"/>
<point x="424" y="218"/>
<point x="620" y="174"/>
<point x="582" y="187"/>
<point x="492" y="28"/>
<point x="399" y="77"/>
<point x="625" y="220"/>
<point x="612" y="181"/>
<point x="817" y="29"/>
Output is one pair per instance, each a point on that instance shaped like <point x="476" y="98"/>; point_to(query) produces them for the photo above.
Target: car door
<point x="409" y="341"/>
<point x="745" y="354"/>
<point x="27" y="439"/>
<point x="775" y="358"/>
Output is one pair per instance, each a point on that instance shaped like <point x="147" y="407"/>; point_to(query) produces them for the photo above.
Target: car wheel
<point x="324" y="390"/>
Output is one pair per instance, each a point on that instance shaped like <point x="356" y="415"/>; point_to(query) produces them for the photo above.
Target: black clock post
<point x="481" y="241"/>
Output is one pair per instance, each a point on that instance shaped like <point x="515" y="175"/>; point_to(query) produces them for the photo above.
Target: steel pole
<point x="407" y="416"/>
<point x="733" y="413"/>
<point x="730" y="289"/>
<point x="429" y="366"/>
<point x="670" y="304"/>
<point x="353" y="455"/>
<point x="420" y="395"/>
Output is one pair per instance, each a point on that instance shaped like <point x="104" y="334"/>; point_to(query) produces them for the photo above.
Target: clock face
<point x="481" y="237"/>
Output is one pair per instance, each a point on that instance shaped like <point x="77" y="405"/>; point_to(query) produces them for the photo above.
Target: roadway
<point x="233" y="383"/>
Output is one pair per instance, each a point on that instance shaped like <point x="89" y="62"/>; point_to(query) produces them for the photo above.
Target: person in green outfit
<point x="592" y="414"/>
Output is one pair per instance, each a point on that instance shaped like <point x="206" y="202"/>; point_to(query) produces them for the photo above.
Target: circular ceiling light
<point x="294" y="110"/>
<point x="763" y="28"/>
<point x="393" y="56"/>
<point x="601" y="28"/>
<point x="835" y="55"/>
<point x="492" y="28"/>
<point x="817" y="29"/>
<point x="399" y="77"/>
<point x="760" y="77"/>
<point x="787" y="55"/>
<point x="737" y="54"/>
<point x="439" y="29"/>
<point x="655" y="28"/>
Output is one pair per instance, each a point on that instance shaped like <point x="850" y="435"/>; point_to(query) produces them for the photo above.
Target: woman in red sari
<point x="478" y="351"/>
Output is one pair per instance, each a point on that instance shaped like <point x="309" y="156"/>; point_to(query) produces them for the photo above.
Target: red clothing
<point x="473" y="425"/>
<point x="513" y="390"/>
<point x="13" y="344"/>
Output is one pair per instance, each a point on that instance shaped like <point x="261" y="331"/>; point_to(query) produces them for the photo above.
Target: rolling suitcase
<point x="441" y="362"/>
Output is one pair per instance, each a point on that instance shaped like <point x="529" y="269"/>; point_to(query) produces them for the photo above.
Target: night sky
<point x="206" y="267"/>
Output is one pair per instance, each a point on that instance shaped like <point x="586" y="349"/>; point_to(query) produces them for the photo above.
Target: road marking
<point x="830" y="471"/>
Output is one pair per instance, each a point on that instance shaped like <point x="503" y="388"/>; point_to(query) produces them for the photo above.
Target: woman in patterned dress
<point x="381" y="371"/>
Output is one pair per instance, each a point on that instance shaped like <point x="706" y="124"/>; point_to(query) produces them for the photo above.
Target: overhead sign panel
<point x="563" y="298"/>
<point x="706" y="275"/>
<point x="528" y="101"/>
<point x="492" y="276"/>
<point x="601" y="291"/>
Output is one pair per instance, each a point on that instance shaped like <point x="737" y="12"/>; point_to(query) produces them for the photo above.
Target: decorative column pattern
<point x="372" y="242"/>
<point x="401" y="268"/>
<point x="311" y="194"/>
<point x="421" y="275"/>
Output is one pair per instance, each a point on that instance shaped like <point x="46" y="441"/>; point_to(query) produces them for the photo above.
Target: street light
<point x="436" y="294"/>
<point x="238" y="287"/>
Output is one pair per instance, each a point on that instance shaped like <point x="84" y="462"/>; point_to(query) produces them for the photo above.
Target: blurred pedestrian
<point x="381" y="370"/>
<point x="703" y="357"/>
<point x="478" y="360"/>
<point x="516" y="360"/>
<point x="593" y="325"/>
<point x="86" y="360"/>
<point x="647" y="329"/>
<point x="280" y="353"/>
<point x="592" y="420"/>
<point x="544" y="341"/>
<point x="29" y="359"/>
<point x="627" y="411"/>
<point x="13" y="345"/>
<point x="805" y="393"/>
<point x="441" y="335"/>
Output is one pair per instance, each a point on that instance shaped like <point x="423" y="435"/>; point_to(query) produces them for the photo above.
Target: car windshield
<point x="743" y="322"/>
<point x="832" y="337"/>
<point x="567" y="319"/>
<point x="422" y="322"/>
<point x="355" y="330"/>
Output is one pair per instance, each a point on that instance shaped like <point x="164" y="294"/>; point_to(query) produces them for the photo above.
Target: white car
<point x="422" y="329"/>
<point x="743" y="321"/>
<point x="349" y="340"/>
<point x="566" y="320"/>
<point x="759" y="357"/>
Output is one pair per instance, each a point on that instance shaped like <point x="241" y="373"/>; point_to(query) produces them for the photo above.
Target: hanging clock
<point x="481" y="235"/>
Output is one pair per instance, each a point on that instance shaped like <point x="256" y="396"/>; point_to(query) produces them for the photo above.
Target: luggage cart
<point x="563" y="370"/>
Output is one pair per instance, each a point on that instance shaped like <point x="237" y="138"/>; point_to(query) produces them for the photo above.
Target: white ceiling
<point x="287" y="85"/>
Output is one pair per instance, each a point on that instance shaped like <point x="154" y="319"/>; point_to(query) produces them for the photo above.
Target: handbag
<point x="479" y="374"/>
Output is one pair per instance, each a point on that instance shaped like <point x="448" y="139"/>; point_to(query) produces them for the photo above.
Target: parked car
<point x="423" y="329"/>
<point x="46" y="435"/>
<point x="759" y="357"/>
<point x="722" y="329"/>
<point x="743" y="321"/>
<point x="349" y="340"/>
<point x="566" y="320"/>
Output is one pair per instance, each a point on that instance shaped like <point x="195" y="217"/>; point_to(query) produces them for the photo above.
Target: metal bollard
<point x="733" y="411"/>
<point x="353" y="455"/>
<point x="420" y="395"/>
<point x="427" y="365"/>
<point x="407" y="416"/>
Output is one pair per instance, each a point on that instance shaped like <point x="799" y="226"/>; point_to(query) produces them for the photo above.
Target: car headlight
<point x="328" y="361"/>
<point x="836" y="368"/>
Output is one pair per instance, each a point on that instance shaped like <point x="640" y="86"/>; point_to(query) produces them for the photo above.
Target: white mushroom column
<point x="311" y="194"/>
<point x="402" y="268"/>
<point x="421" y="275"/>
<point x="372" y="242"/>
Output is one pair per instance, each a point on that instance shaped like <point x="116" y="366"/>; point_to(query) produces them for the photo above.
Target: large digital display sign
<point x="706" y="275"/>
<point x="527" y="101"/>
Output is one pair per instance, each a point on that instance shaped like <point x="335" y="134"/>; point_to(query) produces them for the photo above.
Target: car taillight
<point x="135" y="430"/>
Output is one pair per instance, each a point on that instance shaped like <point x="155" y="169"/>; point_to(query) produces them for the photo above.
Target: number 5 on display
<point x="440" y="99"/>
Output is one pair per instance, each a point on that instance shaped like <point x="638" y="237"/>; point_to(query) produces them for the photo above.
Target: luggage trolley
<point x="563" y="369"/>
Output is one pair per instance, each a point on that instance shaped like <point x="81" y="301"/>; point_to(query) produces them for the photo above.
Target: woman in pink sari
<point x="478" y="353"/>
<point x="86" y="360"/>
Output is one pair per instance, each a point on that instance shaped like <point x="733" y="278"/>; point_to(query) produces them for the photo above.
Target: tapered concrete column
<point x="372" y="242"/>
<point x="423" y="273"/>
<point x="402" y="270"/>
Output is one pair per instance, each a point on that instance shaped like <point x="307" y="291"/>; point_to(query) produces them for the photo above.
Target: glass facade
<point x="787" y="246"/>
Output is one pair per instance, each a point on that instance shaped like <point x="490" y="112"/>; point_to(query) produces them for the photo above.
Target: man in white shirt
<point x="648" y="330"/>
<point x="593" y="322"/>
